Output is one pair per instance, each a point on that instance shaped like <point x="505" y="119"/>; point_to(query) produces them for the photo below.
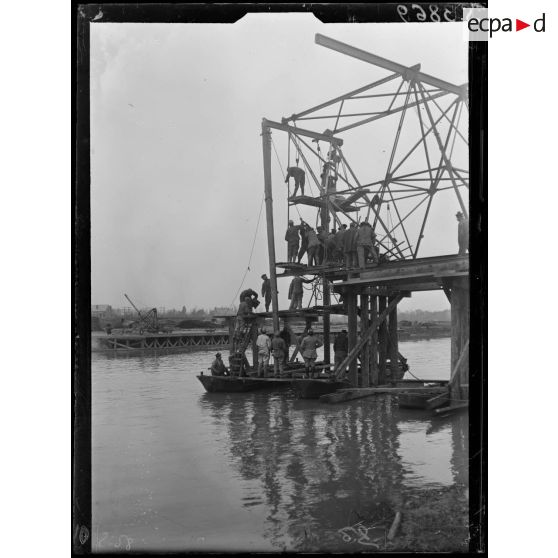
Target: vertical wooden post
<point x="254" y="334"/>
<point x="352" y="332"/>
<point x="459" y="333"/>
<point x="364" y="323"/>
<point x="374" y="342"/>
<point x="230" y="323"/>
<point x="266" y="146"/>
<point x="394" y="343"/>
<point x="382" y="342"/>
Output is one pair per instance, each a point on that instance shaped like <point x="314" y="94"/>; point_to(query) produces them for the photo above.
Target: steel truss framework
<point x="415" y="174"/>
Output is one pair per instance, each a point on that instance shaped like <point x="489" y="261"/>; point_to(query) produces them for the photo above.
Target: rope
<point x="251" y="252"/>
<point x="284" y="176"/>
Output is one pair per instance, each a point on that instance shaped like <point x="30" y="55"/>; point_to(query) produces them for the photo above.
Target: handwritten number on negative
<point x="419" y="14"/>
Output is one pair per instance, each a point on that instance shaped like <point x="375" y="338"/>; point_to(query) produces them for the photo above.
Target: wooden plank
<point x="349" y="394"/>
<point x="451" y="409"/>
<point x="437" y="400"/>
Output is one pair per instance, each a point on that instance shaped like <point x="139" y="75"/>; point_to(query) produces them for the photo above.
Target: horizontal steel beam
<point x="301" y="131"/>
<point x="389" y="65"/>
<point x="342" y="97"/>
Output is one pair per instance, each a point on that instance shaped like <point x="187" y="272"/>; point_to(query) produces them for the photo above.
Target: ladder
<point x="241" y="339"/>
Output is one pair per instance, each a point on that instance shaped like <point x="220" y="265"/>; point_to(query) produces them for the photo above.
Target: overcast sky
<point x="176" y="157"/>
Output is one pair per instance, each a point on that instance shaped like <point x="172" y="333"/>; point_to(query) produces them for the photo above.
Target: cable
<point x="251" y="252"/>
<point x="284" y="176"/>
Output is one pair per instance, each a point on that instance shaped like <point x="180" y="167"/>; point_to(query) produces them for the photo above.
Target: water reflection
<point x="175" y="468"/>
<point x="322" y="467"/>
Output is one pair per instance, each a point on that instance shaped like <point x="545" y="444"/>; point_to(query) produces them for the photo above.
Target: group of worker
<point x="352" y="245"/>
<point x="278" y="347"/>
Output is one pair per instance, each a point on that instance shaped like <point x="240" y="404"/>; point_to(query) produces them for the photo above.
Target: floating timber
<point x="426" y="401"/>
<point x="351" y="393"/>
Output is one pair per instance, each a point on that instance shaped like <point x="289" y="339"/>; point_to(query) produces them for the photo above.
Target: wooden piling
<point x="266" y="147"/>
<point x="365" y="353"/>
<point x="374" y="343"/>
<point x="352" y="332"/>
<point x="393" y="343"/>
<point x="382" y="342"/>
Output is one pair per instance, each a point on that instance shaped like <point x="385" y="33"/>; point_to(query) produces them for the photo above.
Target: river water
<point x="175" y="468"/>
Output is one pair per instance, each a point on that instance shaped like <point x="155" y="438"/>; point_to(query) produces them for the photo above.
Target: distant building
<point x="101" y="311"/>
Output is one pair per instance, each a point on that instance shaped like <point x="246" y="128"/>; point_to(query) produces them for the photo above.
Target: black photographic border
<point x="82" y="14"/>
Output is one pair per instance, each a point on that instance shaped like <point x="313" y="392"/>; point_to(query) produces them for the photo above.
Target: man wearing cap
<point x="340" y="348"/>
<point x="296" y="290"/>
<point x="218" y="367"/>
<point x="350" y="246"/>
<point x="263" y="343"/>
<point x="266" y="291"/>
<point x="462" y="233"/>
<point x="365" y="243"/>
<point x="299" y="178"/>
<point x="308" y="348"/>
<point x="292" y="238"/>
<point x="279" y="349"/>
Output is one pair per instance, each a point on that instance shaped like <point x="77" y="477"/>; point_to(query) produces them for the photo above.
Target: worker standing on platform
<point x="303" y="228"/>
<point x="263" y="343"/>
<point x="279" y="353"/>
<point x="322" y="237"/>
<point x="462" y="233"/>
<point x="339" y="242"/>
<point x="218" y="367"/>
<point x="350" y="246"/>
<point x="286" y="336"/>
<point x="296" y="291"/>
<point x="340" y="348"/>
<point x="308" y="348"/>
<point x="292" y="238"/>
<point x="266" y="291"/>
<point x="313" y="247"/>
<point x="365" y="244"/>
<point x="299" y="177"/>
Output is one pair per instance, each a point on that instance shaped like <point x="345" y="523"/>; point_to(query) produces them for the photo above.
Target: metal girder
<point x="301" y="131"/>
<point x="349" y="50"/>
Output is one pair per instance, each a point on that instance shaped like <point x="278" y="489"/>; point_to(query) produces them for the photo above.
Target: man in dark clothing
<point x="462" y="233"/>
<point x="218" y="367"/>
<point x="340" y="348"/>
<point x="286" y="336"/>
<point x="349" y="246"/>
<point x="322" y="237"/>
<point x="266" y="291"/>
<point x="296" y="291"/>
<point x="292" y="238"/>
<point x="365" y="244"/>
<point x="299" y="178"/>
<point x="304" y="228"/>
<point x="339" y="241"/>
<point x="252" y="295"/>
<point x="279" y="350"/>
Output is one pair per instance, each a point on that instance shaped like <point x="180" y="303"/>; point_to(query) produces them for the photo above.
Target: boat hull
<point x="228" y="384"/>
